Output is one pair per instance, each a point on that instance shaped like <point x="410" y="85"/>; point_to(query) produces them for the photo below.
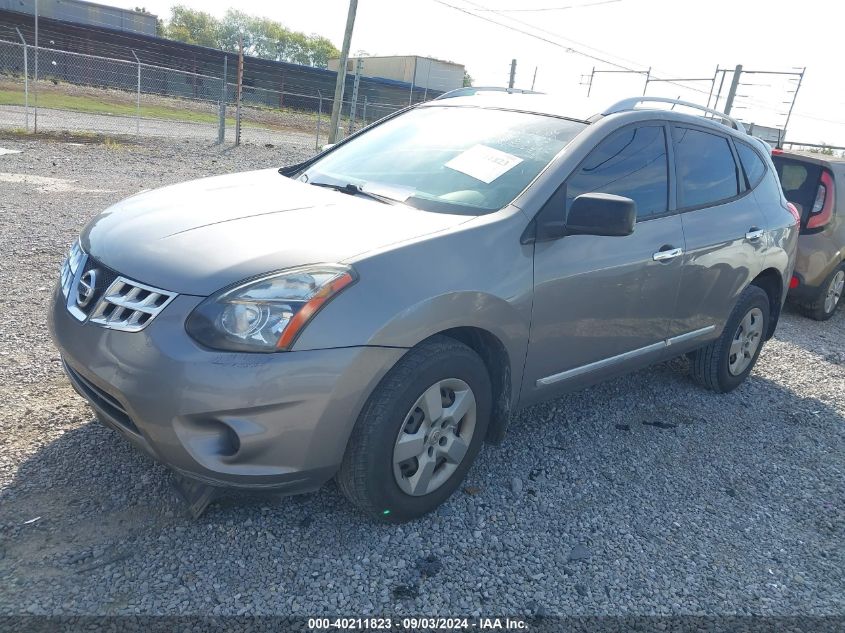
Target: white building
<point x="421" y="72"/>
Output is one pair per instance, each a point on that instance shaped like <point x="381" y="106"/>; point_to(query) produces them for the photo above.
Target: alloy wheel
<point x="435" y="436"/>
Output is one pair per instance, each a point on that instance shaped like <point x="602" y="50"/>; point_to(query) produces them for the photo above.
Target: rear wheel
<point x="418" y="433"/>
<point x="726" y="362"/>
<point x="829" y="297"/>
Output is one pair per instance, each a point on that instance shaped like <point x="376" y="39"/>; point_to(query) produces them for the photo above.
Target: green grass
<point x="73" y="103"/>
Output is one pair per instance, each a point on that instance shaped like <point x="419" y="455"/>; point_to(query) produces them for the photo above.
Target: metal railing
<point x="86" y="93"/>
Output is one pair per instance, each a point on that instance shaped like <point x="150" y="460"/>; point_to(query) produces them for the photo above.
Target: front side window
<point x="751" y="163"/>
<point x="631" y="162"/>
<point x="705" y="167"/>
<point x="446" y="159"/>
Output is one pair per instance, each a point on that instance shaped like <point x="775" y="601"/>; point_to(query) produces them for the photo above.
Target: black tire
<point x="366" y="475"/>
<point x="710" y="365"/>
<point x="817" y="309"/>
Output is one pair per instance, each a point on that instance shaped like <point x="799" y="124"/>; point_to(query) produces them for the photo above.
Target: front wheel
<point x="726" y="362"/>
<point x="419" y="432"/>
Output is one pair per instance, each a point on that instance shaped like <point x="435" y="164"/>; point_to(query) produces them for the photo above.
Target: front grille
<point x="98" y="294"/>
<point x="101" y="399"/>
<point x="129" y="306"/>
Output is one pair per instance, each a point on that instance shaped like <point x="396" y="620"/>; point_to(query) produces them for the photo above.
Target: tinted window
<point x="752" y="164"/>
<point x="705" y="167"/>
<point x="631" y="162"/>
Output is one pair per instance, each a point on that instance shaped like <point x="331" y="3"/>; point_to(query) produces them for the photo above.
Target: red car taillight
<point x="822" y="209"/>
<point x="794" y="211"/>
<point x="794" y="282"/>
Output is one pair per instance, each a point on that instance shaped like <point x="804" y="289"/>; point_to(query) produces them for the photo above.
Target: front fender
<point x="479" y="310"/>
<point x="479" y="276"/>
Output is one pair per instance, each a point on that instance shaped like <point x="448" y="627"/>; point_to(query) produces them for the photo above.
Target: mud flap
<point x="196" y="495"/>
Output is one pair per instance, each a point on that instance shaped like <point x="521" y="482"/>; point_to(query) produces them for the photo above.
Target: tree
<point x="468" y="80"/>
<point x="262" y="37"/>
<point x="193" y="27"/>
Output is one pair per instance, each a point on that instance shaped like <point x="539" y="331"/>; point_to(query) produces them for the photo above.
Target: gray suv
<point x="376" y="313"/>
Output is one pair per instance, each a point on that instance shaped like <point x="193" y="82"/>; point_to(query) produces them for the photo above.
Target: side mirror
<point x="601" y="214"/>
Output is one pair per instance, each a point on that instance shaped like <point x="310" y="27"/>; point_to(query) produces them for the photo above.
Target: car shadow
<point x="632" y="455"/>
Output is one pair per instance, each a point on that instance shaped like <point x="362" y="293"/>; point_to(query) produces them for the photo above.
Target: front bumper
<point x="277" y="421"/>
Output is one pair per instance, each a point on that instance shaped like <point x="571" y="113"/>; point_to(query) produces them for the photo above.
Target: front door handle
<point x="754" y="233"/>
<point x="666" y="255"/>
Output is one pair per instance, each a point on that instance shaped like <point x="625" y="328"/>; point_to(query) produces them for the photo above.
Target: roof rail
<point x="631" y="104"/>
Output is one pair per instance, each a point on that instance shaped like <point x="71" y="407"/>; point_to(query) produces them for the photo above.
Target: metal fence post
<point x="240" y="88"/>
<point x="319" y="119"/>
<point x="25" y="79"/>
<point x="221" y="126"/>
<point x="35" y="85"/>
<point x="138" y="98"/>
<point x="364" y="113"/>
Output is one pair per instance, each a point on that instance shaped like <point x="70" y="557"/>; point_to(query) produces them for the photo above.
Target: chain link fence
<point x="51" y="90"/>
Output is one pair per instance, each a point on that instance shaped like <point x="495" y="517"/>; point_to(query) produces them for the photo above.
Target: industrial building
<point x="422" y="72"/>
<point x="87" y="13"/>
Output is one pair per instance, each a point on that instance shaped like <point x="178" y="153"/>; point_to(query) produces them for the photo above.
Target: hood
<point x="200" y="236"/>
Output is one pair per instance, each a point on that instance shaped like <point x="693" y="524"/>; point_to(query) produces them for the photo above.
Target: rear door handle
<point x="672" y="253"/>
<point x="754" y="233"/>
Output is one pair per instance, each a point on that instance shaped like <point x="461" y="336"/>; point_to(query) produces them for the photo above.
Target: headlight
<point x="70" y="265"/>
<point x="268" y="313"/>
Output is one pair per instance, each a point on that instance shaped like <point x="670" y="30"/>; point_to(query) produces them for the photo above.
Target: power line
<point x="568" y="49"/>
<point x="571" y="49"/>
<point x="540" y="9"/>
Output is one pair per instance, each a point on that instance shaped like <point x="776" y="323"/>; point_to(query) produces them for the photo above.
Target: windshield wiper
<point x="355" y="190"/>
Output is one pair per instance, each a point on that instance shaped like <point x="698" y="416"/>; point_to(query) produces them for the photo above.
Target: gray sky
<point x="676" y="38"/>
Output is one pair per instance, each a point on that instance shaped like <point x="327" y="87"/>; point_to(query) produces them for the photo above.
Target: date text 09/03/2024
<point x="412" y="623"/>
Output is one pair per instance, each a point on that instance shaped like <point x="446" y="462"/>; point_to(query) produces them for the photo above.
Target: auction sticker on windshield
<point x="483" y="163"/>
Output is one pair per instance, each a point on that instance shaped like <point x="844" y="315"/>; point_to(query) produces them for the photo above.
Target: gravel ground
<point x="644" y="495"/>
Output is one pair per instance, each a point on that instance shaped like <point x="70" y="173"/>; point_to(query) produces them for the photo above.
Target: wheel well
<point x="771" y="283"/>
<point x="496" y="359"/>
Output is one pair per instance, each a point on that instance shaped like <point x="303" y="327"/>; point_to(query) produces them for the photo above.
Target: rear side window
<point x="631" y="162"/>
<point x="752" y="164"/>
<point x="707" y="173"/>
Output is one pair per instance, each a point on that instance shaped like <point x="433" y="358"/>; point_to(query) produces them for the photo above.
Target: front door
<point x="606" y="303"/>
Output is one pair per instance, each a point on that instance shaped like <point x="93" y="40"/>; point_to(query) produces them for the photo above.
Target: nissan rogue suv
<point x="816" y="186"/>
<point x="376" y="313"/>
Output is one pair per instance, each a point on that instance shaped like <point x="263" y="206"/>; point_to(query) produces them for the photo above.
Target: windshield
<point x="448" y="159"/>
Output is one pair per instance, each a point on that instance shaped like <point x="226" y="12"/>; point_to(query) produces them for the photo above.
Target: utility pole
<point x="240" y="88"/>
<point x="513" y="74"/>
<point x="341" y="71"/>
<point x="732" y="92"/>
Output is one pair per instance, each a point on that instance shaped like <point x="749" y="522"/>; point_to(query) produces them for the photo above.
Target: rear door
<point x="723" y="227"/>
<point x="605" y="303"/>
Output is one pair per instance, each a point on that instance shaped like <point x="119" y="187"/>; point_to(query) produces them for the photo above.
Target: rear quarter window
<point x="752" y="164"/>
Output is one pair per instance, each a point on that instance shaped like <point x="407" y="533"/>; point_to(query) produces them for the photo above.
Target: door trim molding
<point x="619" y="358"/>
